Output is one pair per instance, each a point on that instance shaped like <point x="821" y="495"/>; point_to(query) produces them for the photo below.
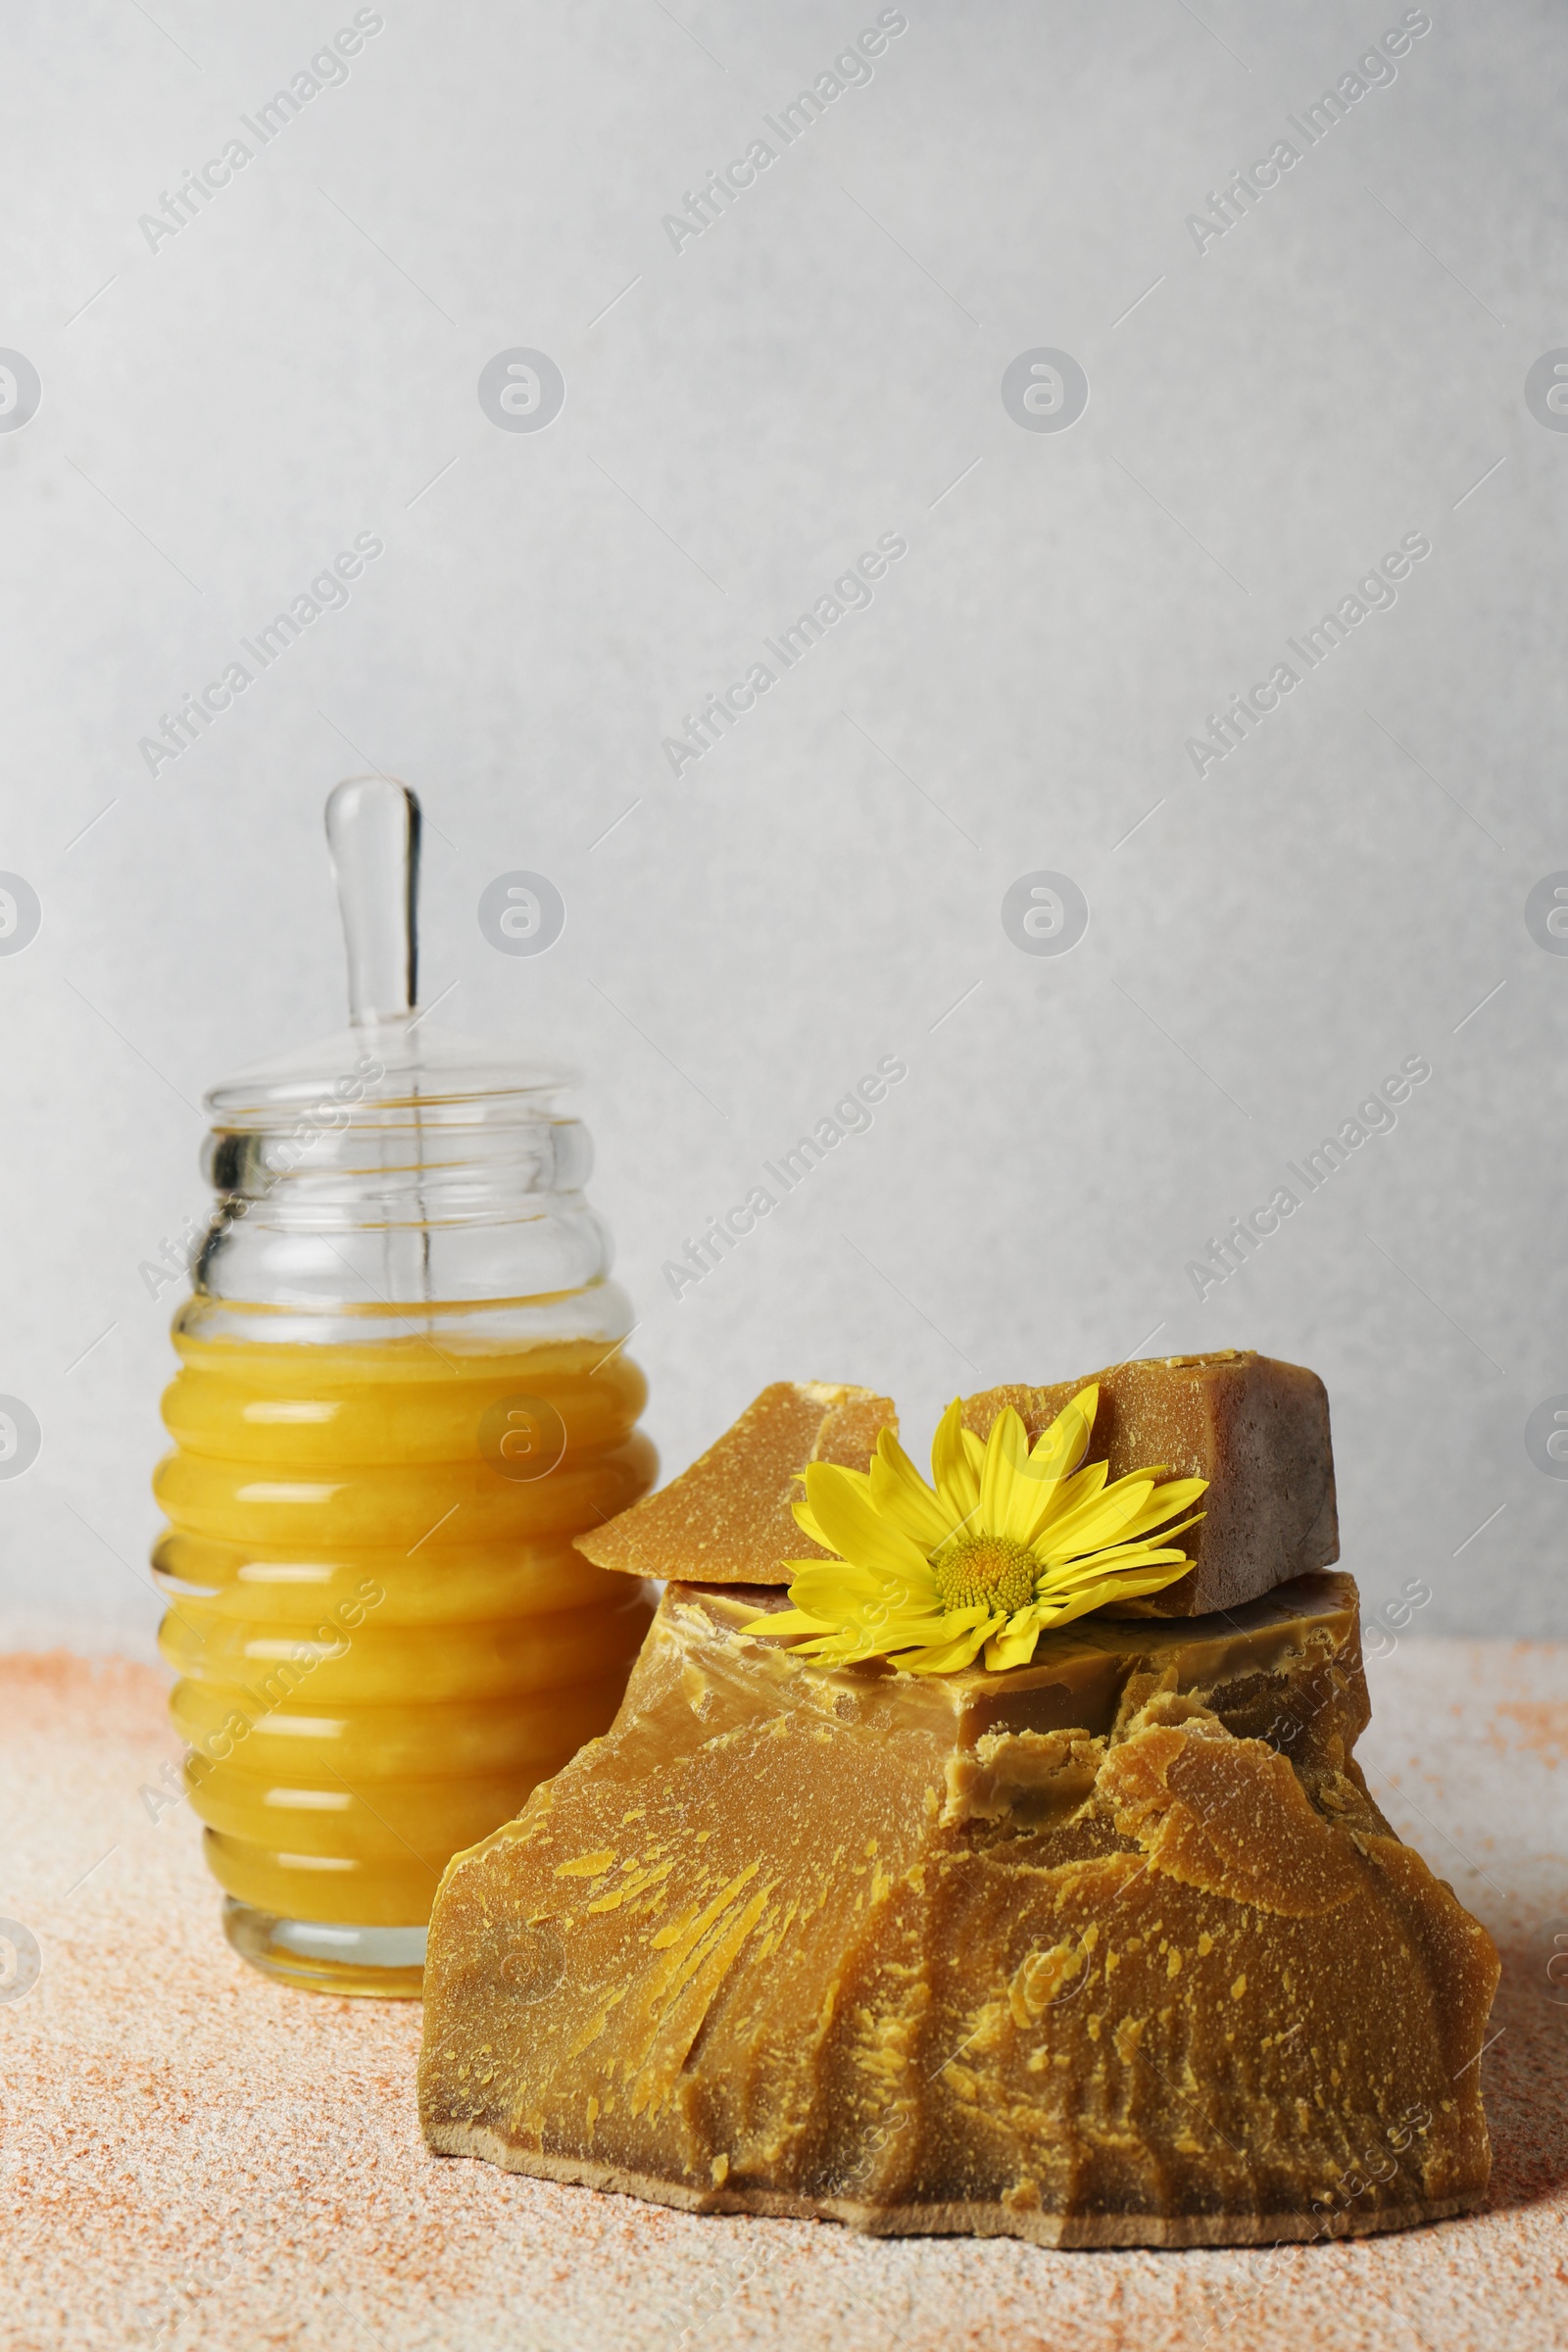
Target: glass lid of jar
<point x="396" y="1164"/>
<point x="392" y="1066"/>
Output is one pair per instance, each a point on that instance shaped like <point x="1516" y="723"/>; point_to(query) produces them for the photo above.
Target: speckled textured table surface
<point x="193" y="2156"/>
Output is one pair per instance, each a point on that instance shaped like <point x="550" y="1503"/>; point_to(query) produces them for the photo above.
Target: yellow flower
<point x="1007" y="1543"/>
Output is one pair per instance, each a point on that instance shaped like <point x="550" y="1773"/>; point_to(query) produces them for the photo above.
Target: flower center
<point x="986" y="1572"/>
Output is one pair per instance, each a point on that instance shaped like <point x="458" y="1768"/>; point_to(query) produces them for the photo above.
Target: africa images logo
<point x="1374" y="593"/>
<point x="20" y="391"/>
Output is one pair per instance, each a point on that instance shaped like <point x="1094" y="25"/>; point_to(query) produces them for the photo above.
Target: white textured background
<point x="300" y="363"/>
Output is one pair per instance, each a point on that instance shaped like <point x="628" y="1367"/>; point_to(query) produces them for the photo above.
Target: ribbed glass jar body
<point x="401" y="1393"/>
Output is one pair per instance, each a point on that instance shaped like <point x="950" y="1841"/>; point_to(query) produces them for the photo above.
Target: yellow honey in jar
<point x="384" y="1636"/>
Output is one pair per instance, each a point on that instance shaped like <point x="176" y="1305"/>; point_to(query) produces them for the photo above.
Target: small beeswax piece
<point x="1257" y="1430"/>
<point x="727" y="1519"/>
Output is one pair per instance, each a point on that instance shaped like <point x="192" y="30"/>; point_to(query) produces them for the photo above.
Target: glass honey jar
<point x="402" y="1392"/>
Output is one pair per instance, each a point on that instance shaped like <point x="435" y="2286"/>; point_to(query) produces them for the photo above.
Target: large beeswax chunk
<point x="1112" y="1949"/>
<point x="1257" y="1430"/>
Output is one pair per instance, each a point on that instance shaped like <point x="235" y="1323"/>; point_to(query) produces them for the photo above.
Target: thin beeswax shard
<point x="1112" y="1949"/>
<point x="1257" y="1430"/>
<point x="727" y="1520"/>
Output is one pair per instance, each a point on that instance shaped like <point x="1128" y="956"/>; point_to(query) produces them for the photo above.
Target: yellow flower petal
<point x="1067" y="1495"/>
<point x="898" y="1488"/>
<point x="1062" y="1447"/>
<point x="1055" y="1461"/>
<point x="833" y="1589"/>
<point x="848" y="1648"/>
<point x="1111" y="1588"/>
<point x="1068" y="1576"/>
<point x="841" y="1506"/>
<point x="1165" y="1501"/>
<point x="1099" y="1519"/>
<point x="1141" y="1552"/>
<point x="1014" y="1645"/>
<point x="1158" y="1546"/>
<point x="953" y="1473"/>
<point x="787" y="1621"/>
<point x="948" y="1657"/>
<point x="807" y="1523"/>
<point x="1037" y="1492"/>
<point x="1007" y="1451"/>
